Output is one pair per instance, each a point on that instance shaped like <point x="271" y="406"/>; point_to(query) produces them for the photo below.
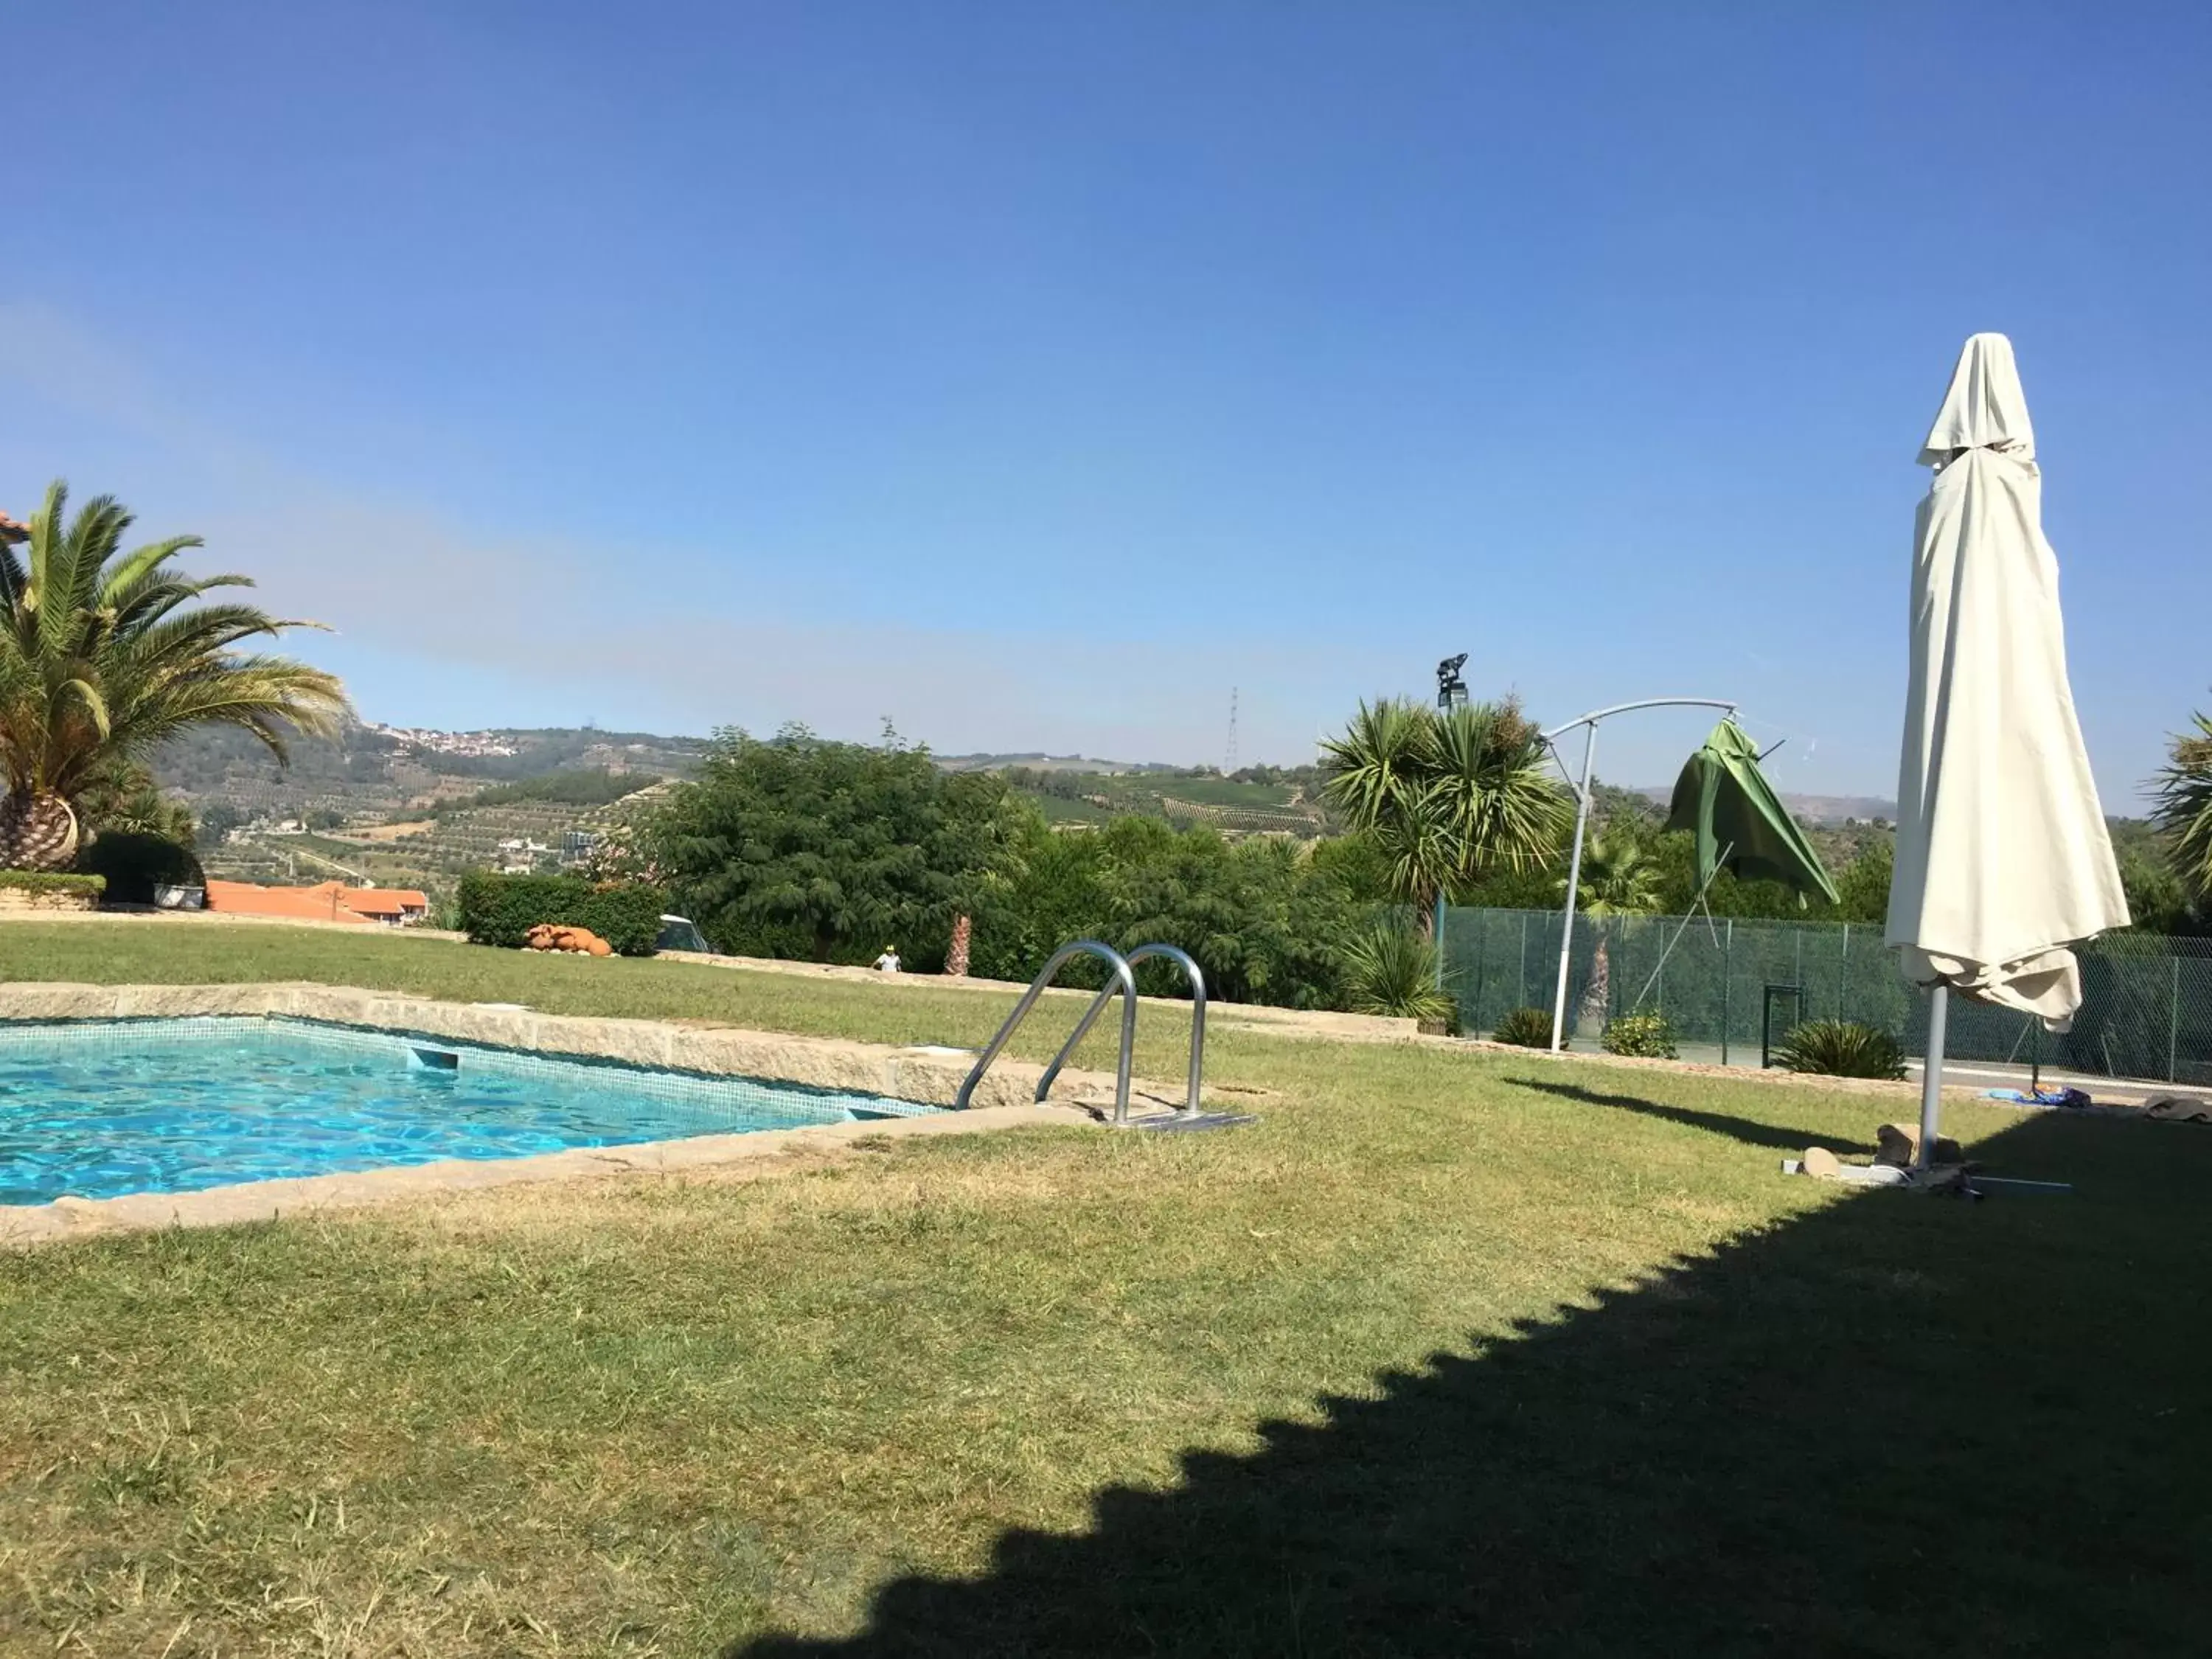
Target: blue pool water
<point x="96" y="1108"/>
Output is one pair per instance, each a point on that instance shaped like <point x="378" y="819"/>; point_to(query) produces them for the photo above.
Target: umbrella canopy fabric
<point x="2002" y="857"/>
<point x="1740" y="822"/>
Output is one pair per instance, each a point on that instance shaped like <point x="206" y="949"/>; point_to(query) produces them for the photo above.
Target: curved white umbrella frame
<point x="1590" y="723"/>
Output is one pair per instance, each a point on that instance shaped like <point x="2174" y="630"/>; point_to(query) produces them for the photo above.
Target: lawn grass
<point x="1449" y="1353"/>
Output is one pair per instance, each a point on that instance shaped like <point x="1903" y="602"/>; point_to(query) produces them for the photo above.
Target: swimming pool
<point x="95" y="1108"/>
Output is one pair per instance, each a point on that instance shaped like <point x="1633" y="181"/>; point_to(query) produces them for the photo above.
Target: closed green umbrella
<point x="1740" y="822"/>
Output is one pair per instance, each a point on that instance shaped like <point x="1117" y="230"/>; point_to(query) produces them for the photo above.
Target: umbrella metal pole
<point x="1931" y="1073"/>
<point x="1574" y="879"/>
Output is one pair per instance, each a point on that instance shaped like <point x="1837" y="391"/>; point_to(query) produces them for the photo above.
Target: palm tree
<point x="1445" y="797"/>
<point x="1381" y="774"/>
<point x="1619" y="877"/>
<point x="125" y="797"/>
<point x="103" y="654"/>
<point x="2184" y="812"/>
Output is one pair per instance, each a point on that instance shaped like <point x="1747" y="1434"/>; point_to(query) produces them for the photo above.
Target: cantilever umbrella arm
<point x="1589" y="723"/>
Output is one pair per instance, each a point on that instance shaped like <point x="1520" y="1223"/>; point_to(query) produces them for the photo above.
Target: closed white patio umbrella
<point x="2002" y="858"/>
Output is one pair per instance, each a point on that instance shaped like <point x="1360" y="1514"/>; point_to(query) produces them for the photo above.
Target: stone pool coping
<point x="922" y="1072"/>
<point x="929" y="1075"/>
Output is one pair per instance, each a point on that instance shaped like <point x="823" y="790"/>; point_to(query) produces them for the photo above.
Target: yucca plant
<point x="103" y="654"/>
<point x="1648" y="1036"/>
<point x="1841" y="1048"/>
<point x="1391" y="969"/>
<point x="1525" y="1028"/>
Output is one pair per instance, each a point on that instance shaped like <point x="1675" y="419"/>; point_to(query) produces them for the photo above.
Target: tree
<point x="217" y="820"/>
<point x="2183" y="809"/>
<point x="796" y="846"/>
<point x="105" y="654"/>
<point x="1863" y="885"/>
<point x="1264" y="919"/>
<point x="1446" y="798"/>
<point x="1619" y="878"/>
<point x="124" y="798"/>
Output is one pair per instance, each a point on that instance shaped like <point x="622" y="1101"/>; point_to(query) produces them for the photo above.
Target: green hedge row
<point x="46" y="881"/>
<point x="501" y="909"/>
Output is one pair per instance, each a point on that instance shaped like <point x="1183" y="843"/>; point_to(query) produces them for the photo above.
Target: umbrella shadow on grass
<point x="1750" y="1131"/>
<point x="1895" y="1424"/>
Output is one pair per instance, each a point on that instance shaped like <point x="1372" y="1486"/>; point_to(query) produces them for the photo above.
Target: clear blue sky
<point x="1033" y="374"/>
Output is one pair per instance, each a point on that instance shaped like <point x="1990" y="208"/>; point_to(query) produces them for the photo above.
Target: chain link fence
<point x="1737" y="986"/>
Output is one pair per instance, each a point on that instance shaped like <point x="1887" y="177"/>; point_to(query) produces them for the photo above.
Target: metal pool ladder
<point x="1123" y="982"/>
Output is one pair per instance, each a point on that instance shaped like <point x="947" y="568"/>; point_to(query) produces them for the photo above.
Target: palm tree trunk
<point x="1598" y="994"/>
<point x="956" y="955"/>
<point x="37" y="830"/>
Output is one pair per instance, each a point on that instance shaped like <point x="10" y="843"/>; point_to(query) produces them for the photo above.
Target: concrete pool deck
<point x="930" y="1075"/>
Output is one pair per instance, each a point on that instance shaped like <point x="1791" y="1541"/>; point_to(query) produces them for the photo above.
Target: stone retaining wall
<point x="46" y="899"/>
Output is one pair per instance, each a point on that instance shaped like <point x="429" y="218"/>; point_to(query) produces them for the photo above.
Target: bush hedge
<point x="499" y="910"/>
<point x="50" y="881"/>
<point x="1646" y="1035"/>
<point x="134" y="863"/>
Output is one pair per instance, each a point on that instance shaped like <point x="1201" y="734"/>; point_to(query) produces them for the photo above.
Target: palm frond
<point x="103" y="654"/>
<point x="1502" y="804"/>
<point x="1382" y="761"/>
<point x="88" y="694"/>
<point x="1618" y="876"/>
<point x="117" y="581"/>
<point x="2183" y="794"/>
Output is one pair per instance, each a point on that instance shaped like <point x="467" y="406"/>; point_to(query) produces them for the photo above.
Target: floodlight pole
<point x="1451" y="693"/>
<point x="1581" y="822"/>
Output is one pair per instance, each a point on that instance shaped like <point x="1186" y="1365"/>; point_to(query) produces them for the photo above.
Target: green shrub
<point x="1647" y="1036"/>
<point x="1841" y="1048"/>
<point x="133" y="864"/>
<point x="1525" y="1028"/>
<point x="501" y="909"/>
<point x="1391" y="969"/>
<point x="49" y="881"/>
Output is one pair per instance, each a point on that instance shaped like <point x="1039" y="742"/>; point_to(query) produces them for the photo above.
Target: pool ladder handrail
<point x="1123" y="982"/>
<point x="1197" y="981"/>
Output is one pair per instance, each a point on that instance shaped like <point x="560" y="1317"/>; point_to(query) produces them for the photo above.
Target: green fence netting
<point x="1729" y="983"/>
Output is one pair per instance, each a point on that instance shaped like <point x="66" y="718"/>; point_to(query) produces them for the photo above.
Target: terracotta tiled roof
<point x="10" y="531"/>
<point x="384" y="901"/>
<point x="317" y="904"/>
<point x="327" y="901"/>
